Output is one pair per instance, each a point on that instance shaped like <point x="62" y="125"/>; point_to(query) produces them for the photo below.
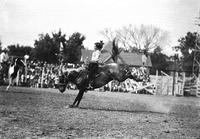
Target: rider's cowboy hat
<point x="99" y="45"/>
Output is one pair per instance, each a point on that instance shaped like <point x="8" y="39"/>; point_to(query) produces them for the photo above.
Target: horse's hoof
<point x="72" y="106"/>
<point x="66" y="107"/>
<point x="69" y="106"/>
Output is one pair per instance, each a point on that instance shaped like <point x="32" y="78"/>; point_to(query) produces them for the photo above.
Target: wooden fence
<point x="176" y="84"/>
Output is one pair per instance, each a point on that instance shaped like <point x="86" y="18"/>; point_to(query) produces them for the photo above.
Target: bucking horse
<point x="105" y="74"/>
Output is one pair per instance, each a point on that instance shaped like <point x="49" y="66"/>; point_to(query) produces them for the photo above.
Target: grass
<point x="42" y="113"/>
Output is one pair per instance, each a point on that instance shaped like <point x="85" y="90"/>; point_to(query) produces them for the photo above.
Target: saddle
<point x="97" y="71"/>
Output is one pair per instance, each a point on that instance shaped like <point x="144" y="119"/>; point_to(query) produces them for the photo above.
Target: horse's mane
<point x="13" y="62"/>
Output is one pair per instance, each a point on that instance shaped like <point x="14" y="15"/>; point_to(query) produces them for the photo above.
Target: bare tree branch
<point x="146" y="37"/>
<point x="108" y="34"/>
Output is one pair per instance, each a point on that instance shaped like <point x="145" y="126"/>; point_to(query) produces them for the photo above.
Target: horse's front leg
<point x="81" y="92"/>
<point x="78" y="99"/>
<point x="10" y="83"/>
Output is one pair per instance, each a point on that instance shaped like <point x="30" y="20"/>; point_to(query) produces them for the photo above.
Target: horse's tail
<point x="115" y="51"/>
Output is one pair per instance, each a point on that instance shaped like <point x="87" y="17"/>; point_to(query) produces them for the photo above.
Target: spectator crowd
<point x="44" y="75"/>
<point x="38" y="74"/>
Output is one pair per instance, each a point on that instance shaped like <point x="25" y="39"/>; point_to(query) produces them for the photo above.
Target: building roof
<point x="86" y="54"/>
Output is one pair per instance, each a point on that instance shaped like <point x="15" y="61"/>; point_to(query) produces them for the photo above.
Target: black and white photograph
<point x="99" y="69"/>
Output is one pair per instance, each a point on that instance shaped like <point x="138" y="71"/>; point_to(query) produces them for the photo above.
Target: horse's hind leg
<point x="78" y="98"/>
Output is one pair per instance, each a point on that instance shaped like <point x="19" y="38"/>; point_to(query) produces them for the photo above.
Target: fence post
<point x="156" y="76"/>
<point x="161" y="84"/>
<point x="156" y="82"/>
<point x="183" y="83"/>
<point x="176" y="84"/>
<point x="173" y="85"/>
<point x="42" y="78"/>
<point x="198" y="86"/>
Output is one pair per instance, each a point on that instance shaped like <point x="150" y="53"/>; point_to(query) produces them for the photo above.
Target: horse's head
<point x="140" y="74"/>
<point x="19" y="62"/>
<point x="62" y="82"/>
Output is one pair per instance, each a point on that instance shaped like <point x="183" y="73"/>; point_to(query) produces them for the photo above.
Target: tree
<point x="108" y="33"/>
<point x="159" y="61"/>
<point x="19" y="50"/>
<point x="45" y="49"/>
<point x="58" y="38"/>
<point x="143" y="37"/>
<point x="130" y="37"/>
<point x="187" y="43"/>
<point x="0" y="46"/>
<point x="72" y="48"/>
<point x="133" y="38"/>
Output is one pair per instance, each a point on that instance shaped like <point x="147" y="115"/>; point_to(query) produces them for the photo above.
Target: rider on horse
<point x="94" y="63"/>
<point x="106" y="73"/>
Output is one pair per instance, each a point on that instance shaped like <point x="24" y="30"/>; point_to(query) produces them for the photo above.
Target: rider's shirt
<point x="3" y="57"/>
<point x="96" y="56"/>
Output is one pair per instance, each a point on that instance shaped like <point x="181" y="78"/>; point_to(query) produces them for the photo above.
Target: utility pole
<point x="197" y="21"/>
<point x="196" y="60"/>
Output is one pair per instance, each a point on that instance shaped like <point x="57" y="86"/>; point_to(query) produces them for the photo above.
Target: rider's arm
<point x="104" y="51"/>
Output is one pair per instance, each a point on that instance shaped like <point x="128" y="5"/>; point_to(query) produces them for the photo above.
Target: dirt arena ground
<point x="42" y="113"/>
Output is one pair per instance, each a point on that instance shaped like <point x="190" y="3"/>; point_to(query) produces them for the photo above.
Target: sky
<point x="22" y="20"/>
